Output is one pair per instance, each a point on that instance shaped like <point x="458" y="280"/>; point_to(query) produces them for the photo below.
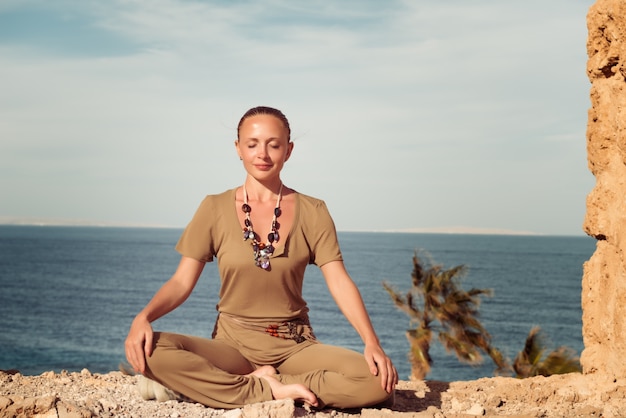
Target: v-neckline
<point x="282" y="243"/>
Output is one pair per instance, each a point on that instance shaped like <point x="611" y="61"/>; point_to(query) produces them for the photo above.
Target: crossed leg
<point x="216" y="374"/>
<point x="280" y="390"/>
<point x="338" y="376"/>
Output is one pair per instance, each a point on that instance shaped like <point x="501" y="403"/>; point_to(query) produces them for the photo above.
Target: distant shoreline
<point x="61" y="222"/>
<point x="452" y="230"/>
<point x="460" y="230"/>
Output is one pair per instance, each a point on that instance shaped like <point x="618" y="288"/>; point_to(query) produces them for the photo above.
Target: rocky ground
<point x="115" y="394"/>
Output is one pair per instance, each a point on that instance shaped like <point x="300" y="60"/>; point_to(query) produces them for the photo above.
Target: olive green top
<point x="249" y="291"/>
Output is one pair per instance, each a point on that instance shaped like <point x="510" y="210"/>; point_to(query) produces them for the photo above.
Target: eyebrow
<point x="255" y="139"/>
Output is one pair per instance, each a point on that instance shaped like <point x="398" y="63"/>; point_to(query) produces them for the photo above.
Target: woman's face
<point x="263" y="146"/>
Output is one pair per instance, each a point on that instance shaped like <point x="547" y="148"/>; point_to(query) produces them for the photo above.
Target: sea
<point x="69" y="294"/>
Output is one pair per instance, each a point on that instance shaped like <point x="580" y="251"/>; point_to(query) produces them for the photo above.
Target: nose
<point x="262" y="151"/>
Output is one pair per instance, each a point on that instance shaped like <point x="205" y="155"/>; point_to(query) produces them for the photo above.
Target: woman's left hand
<point x="381" y="365"/>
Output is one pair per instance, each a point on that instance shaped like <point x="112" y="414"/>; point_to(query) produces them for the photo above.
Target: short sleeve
<point x="322" y="235"/>
<point x="197" y="240"/>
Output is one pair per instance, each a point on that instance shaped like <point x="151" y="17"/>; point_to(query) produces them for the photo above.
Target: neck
<point x="262" y="192"/>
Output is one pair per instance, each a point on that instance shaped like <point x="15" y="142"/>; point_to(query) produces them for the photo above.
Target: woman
<point x="263" y="347"/>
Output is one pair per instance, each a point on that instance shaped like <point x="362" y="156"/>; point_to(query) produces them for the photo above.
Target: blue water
<point x="68" y="294"/>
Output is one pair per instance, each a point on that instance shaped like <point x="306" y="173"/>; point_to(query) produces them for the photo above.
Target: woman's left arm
<point x="350" y="302"/>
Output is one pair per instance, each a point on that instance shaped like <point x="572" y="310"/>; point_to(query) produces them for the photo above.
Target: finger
<point x="132" y="359"/>
<point x="393" y="378"/>
<point x="135" y="355"/>
<point x="130" y="356"/>
<point x="372" y="365"/>
<point x="384" y="375"/>
<point x="140" y="359"/>
<point x="147" y="348"/>
<point x="394" y="381"/>
<point x="390" y="373"/>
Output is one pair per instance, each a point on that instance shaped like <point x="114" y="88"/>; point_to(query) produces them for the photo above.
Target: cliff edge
<point x="604" y="278"/>
<point x="78" y="395"/>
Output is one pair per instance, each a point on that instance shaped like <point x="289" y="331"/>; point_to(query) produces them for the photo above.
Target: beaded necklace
<point x="262" y="251"/>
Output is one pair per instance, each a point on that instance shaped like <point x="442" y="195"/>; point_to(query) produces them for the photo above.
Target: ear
<point x="237" y="148"/>
<point x="289" y="149"/>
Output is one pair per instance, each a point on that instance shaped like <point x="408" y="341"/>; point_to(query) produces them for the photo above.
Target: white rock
<point x="233" y="413"/>
<point x="476" y="410"/>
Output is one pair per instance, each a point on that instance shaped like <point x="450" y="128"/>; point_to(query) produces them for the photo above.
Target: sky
<point x="406" y="115"/>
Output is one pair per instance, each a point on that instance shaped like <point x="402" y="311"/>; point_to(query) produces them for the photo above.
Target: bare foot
<point x="293" y="391"/>
<point x="263" y="371"/>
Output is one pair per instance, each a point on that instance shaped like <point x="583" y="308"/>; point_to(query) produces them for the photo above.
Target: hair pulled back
<point x="265" y="110"/>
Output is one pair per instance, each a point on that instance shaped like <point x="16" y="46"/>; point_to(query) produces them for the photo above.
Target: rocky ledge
<point x="115" y="394"/>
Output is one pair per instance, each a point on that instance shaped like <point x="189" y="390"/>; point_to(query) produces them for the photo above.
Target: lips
<point x="263" y="167"/>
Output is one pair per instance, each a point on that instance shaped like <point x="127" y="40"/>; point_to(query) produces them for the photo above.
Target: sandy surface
<point x="115" y="395"/>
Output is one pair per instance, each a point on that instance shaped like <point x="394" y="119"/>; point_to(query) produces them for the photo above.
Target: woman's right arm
<point x="171" y="295"/>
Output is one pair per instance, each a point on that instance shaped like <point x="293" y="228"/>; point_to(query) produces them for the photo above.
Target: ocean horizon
<point x="460" y="230"/>
<point x="70" y="292"/>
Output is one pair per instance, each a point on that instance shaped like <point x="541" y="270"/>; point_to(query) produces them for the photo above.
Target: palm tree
<point x="437" y="304"/>
<point x="530" y="362"/>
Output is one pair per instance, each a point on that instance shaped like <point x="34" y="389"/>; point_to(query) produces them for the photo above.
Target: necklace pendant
<point x="265" y="263"/>
<point x="262" y="251"/>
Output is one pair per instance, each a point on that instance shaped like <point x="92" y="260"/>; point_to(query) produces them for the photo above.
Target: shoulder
<point x="219" y="199"/>
<point x="310" y="202"/>
<point x="318" y="229"/>
<point x="214" y="206"/>
<point x="312" y="210"/>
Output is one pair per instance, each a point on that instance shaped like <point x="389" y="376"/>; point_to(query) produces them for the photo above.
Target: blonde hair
<point x="266" y="110"/>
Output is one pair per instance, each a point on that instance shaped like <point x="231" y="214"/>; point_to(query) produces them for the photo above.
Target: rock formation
<point x="604" y="278"/>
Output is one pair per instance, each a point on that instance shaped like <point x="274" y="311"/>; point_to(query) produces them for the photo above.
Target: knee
<point x="387" y="400"/>
<point x="164" y="347"/>
<point x="374" y="394"/>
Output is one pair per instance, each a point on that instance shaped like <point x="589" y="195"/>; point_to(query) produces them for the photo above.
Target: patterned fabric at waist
<point x="298" y="329"/>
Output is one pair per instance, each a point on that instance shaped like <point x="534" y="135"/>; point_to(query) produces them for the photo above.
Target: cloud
<point x="391" y="106"/>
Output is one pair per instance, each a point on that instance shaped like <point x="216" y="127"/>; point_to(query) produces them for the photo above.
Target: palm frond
<point x="404" y="303"/>
<point x="535" y="346"/>
<point x="560" y="361"/>
<point x="530" y="362"/>
<point x="436" y="302"/>
<point x="419" y="356"/>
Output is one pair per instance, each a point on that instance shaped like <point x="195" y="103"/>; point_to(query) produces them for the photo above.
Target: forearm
<point x="175" y="291"/>
<point x="349" y="300"/>
<point x="351" y="304"/>
<point x="170" y="296"/>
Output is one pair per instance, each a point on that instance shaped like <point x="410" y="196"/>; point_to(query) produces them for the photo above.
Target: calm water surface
<point x="68" y="294"/>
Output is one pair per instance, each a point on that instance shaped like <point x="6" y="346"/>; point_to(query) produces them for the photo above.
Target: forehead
<point x="260" y="123"/>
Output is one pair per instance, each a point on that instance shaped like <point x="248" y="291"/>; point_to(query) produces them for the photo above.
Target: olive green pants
<point x="214" y="371"/>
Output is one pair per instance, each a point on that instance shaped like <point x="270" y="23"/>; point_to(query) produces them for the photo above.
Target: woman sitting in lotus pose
<point x="263" y="235"/>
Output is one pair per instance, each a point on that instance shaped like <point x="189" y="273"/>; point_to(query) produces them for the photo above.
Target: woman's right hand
<point x="139" y="343"/>
<point x="174" y="292"/>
